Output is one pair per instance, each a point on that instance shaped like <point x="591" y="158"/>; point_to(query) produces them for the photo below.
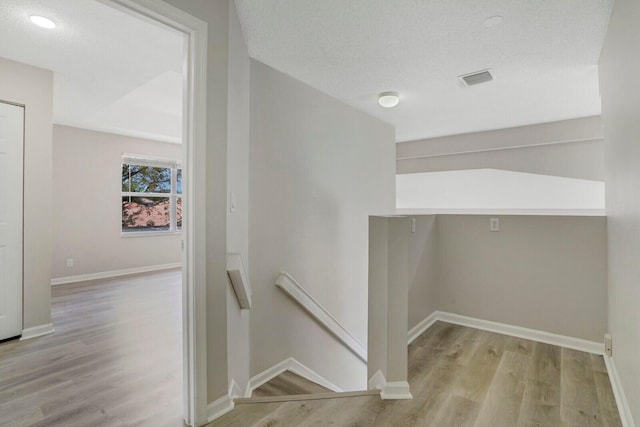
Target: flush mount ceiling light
<point x="43" y="22"/>
<point x="492" y="21"/>
<point x="388" y="99"/>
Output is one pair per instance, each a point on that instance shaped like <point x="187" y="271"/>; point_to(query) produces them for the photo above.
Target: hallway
<point x="461" y="376"/>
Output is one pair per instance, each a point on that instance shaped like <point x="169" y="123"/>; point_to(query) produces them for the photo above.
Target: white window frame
<point x="173" y="196"/>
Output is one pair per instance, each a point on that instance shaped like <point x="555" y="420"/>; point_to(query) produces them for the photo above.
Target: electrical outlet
<point x="608" y="345"/>
<point x="494" y="224"/>
<point x="413" y="225"/>
<point x="69" y="262"/>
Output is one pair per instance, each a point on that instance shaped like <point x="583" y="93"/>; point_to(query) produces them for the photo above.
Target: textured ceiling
<point x="543" y="57"/>
<point x="112" y="72"/>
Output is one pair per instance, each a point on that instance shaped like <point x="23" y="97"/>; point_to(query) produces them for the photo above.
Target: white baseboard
<point x="289" y="364"/>
<point x="219" y="407"/>
<point x="425" y="324"/>
<point x="396" y="390"/>
<point x="308" y="373"/>
<point x="618" y="391"/>
<point x="392" y="390"/>
<point x="224" y="404"/>
<point x="37" y="331"/>
<point x="265" y="376"/>
<point x="520" y="332"/>
<point x="113" y="273"/>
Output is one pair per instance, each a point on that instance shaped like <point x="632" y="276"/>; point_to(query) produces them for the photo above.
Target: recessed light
<point x="388" y="99"/>
<point x="492" y="21"/>
<point x="43" y="22"/>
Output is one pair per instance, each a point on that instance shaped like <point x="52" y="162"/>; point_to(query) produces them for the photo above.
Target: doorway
<point x="159" y="13"/>
<point x="193" y="147"/>
<point x="193" y="166"/>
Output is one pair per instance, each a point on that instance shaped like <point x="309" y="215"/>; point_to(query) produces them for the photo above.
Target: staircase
<point x="289" y="386"/>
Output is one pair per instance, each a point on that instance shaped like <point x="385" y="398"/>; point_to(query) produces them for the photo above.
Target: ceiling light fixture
<point x="388" y="99"/>
<point x="492" y="21"/>
<point x="43" y="22"/>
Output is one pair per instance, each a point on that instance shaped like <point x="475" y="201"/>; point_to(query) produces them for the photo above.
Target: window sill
<point x="149" y="233"/>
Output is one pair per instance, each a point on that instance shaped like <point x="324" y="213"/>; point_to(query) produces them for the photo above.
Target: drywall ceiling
<point x="543" y="57"/>
<point x="112" y="72"/>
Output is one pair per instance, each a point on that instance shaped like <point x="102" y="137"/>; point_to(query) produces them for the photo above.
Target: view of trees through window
<point x="151" y="198"/>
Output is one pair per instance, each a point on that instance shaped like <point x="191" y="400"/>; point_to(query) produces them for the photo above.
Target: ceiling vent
<point x="476" y="77"/>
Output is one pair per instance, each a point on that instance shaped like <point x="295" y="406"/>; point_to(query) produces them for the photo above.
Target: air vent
<point x="476" y="77"/>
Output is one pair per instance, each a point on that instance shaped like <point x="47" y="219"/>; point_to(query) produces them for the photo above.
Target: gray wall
<point x="569" y="148"/>
<point x="86" y="211"/>
<point x="318" y="169"/>
<point x="619" y="86"/>
<point x="33" y="88"/>
<point x="540" y="272"/>
<point x="216" y="14"/>
<point x="389" y="248"/>
<point x="422" y="269"/>
<point x="238" y="184"/>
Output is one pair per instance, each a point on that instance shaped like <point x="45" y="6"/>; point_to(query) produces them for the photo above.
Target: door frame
<point x="194" y="132"/>
<point x="23" y="107"/>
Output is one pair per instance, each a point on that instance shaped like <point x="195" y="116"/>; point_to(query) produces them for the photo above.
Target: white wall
<point x="619" y="86"/>
<point x="33" y="87"/>
<point x="496" y="189"/>
<point x="540" y="272"/>
<point x="570" y="148"/>
<point x="318" y="169"/>
<point x="238" y="184"/>
<point x="87" y="215"/>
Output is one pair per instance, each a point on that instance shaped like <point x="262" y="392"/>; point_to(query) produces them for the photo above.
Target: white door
<point x="11" y="155"/>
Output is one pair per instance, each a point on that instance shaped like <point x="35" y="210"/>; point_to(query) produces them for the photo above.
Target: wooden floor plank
<point x="541" y="398"/>
<point x="544" y="375"/>
<point x="539" y="415"/>
<point x="475" y="379"/>
<point x="501" y="406"/>
<point x="579" y="397"/>
<point x="608" y="407"/>
<point x="457" y="412"/>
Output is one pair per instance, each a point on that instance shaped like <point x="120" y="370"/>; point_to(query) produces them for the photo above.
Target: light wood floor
<point x="115" y="358"/>
<point x="288" y="383"/>
<point x="465" y="377"/>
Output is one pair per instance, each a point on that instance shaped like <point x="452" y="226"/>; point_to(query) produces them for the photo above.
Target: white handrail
<point x="313" y="307"/>
<point x="239" y="280"/>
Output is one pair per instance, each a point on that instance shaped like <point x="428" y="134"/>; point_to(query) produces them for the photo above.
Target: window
<point x="151" y="195"/>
